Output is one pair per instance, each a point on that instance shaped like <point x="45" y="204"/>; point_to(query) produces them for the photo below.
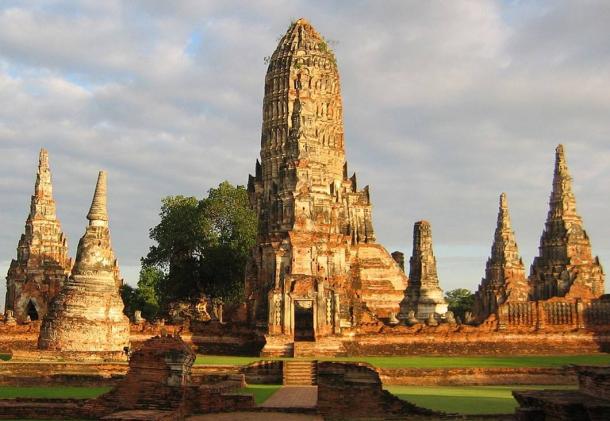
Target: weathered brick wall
<point x="476" y="376"/>
<point x="476" y="341"/>
<point x="352" y="391"/>
<point x="556" y="313"/>
<point x="594" y="381"/>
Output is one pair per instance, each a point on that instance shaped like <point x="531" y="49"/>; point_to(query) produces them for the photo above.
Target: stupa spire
<point x="98" y="210"/>
<point x="87" y="315"/>
<point x="42" y="263"/>
<point x="504" y="272"/>
<point x="565" y="265"/>
<point x="504" y="248"/>
<point x="423" y="295"/>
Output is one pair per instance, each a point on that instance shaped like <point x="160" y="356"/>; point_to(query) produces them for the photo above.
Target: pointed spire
<point x="504" y="272"/>
<point x="98" y="211"/>
<point x="504" y="248"/>
<point x="562" y="202"/>
<point x="565" y="265"/>
<point x="43" y="177"/>
<point x="423" y="262"/>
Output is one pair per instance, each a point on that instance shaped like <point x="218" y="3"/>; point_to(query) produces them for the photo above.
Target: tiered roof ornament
<point x="565" y="266"/>
<point x="423" y="295"/>
<point x="505" y="279"/>
<point x="87" y="315"/>
<point x="42" y="263"/>
<point x="316" y="246"/>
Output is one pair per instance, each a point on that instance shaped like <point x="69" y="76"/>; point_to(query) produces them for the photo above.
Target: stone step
<point x="300" y="373"/>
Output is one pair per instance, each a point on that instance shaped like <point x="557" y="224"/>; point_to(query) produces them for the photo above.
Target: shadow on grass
<point x="468" y="400"/>
<point x="261" y="392"/>
<point x="52" y="392"/>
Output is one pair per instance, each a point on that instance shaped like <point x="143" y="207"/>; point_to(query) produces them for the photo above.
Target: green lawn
<point x="261" y="392"/>
<point x="436" y="362"/>
<point x="465" y="399"/>
<point x="57" y="392"/>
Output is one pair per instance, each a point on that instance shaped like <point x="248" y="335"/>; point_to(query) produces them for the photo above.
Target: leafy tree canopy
<point x="460" y="301"/>
<point x="201" y="247"/>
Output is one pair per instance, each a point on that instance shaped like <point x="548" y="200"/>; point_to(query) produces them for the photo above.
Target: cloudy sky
<point x="447" y="104"/>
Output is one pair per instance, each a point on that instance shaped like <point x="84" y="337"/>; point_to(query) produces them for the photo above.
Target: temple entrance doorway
<point x="303" y="321"/>
<point x="31" y="311"/>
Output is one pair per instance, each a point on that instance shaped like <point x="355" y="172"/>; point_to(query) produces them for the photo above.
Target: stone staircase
<point x="300" y="373"/>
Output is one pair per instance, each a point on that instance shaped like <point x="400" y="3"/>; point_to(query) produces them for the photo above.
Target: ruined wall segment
<point x="565" y="266"/>
<point x="505" y="279"/>
<point x="316" y="245"/>
<point x="87" y="314"/>
<point x="423" y="295"/>
<point x="42" y="263"/>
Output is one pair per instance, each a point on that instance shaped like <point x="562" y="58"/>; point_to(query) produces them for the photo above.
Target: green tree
<point x="180" y="239"/>
<point x="231" y="234"/>
<point x="460" y="301"/>
<point x="149" y="298"/>
<point x="201" y="246"/>
<point x="146" y="296"/>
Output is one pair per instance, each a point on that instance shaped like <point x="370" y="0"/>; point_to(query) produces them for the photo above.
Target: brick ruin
<point x="87" y="314"/>
<point x="589" y="403"/>
<point x="565" y="266"/>
<point x="566" y="283"/>
<point x="316" y="269"/>
<point x="42" y="263"/>
<point x="423" y="296"/>
<point x="158" y="386"/>
<point x="317" y="274"/>
<point x="505" y="279"/>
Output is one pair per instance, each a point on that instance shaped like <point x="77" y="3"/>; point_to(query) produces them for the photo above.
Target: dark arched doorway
<point x="303" y="321"/>
<point x="31" y="311"/>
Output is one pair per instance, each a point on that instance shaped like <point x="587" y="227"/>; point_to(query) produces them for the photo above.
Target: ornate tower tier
<point x="504" y="273"/>
<point x="42" y="263"/>
<point x="316" y="267"/>
<point x="87" y="314"/>
<point x="565" y="266"/>
<point x="424" y="295"/>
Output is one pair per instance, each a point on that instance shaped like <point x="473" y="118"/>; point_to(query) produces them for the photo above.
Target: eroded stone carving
<point x="423" y="295"/>
<point x="565" y="266"/>
<point x="505" y="279"/>
<point x="42" y="263"/>
<point x="87" y="314"/>
<point x="315" y="233"/>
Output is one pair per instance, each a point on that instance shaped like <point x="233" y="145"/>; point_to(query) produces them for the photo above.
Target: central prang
<point x="316" y="245"/>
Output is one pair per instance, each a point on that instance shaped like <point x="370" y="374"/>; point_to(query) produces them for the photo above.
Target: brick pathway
<point x="256" y="416"/>
<point x="293" y="397"/>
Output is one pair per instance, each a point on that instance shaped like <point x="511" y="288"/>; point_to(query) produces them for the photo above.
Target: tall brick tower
<point x="87" y="314"/>
<point x="316" y="268"/>
<point x="565" y="266"/>
<point x="424" y="295"/>
<point x="505" y="279"/>
<point x="42" y="263"/>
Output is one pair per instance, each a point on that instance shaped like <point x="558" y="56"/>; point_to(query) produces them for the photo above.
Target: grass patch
<point x="435" y="362"/>
<point x="261" y="392"/>
<point x="470" y="400"/>
<point x="52" y="392"/>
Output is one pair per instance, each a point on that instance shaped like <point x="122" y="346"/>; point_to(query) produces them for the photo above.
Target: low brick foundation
<point x="354" y="391"/>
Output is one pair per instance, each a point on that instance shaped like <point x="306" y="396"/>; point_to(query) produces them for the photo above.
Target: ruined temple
<point x="424" y="295"/>
<point x="42" y="263"/>
<point x="505" y="279"/>
<point x="87" y="314"/>
<point x="565" y="266"/>
<point x="316" y="268"/>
